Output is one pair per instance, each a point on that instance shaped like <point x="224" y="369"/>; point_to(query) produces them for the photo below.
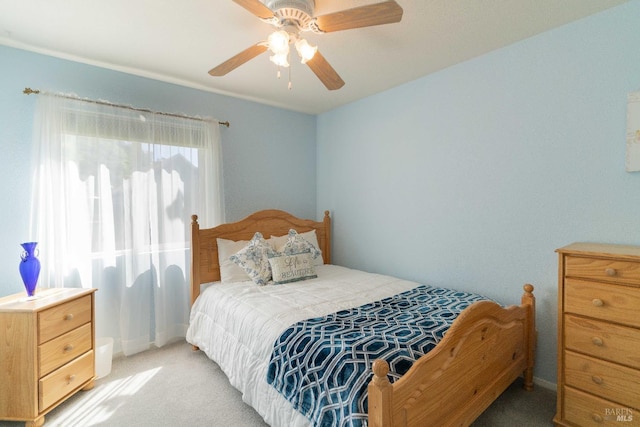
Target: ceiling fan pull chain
<point x="289" y="85"/>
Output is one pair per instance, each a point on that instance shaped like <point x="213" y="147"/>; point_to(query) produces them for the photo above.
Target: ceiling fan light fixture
<point x="278" y="42"/>
<point x="280" y="59"/>
<point x="305" y="50"/>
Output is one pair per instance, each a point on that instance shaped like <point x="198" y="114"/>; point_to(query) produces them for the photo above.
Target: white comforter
<point x="236" y="324"/>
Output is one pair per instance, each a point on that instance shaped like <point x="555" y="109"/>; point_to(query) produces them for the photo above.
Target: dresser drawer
<point x="583" y="409"/>
<point x="63" y="349"/>
<point x="66" y="379"/>
<point x="605" y="379"/>
<point x="603" y="301"/>
<point x="62" y="318"/>
<point x="603" y="269"/>
<point x="615" y="343"/>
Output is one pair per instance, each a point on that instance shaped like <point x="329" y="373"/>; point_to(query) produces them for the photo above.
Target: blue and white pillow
<point x="254" y="259"/>
<point x="297" y="244"/>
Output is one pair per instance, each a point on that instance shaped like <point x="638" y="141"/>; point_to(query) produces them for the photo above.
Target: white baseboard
<point x="545" y="384"/>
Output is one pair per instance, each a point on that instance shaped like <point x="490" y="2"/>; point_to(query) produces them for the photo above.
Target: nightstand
<point x="46" y="351"/>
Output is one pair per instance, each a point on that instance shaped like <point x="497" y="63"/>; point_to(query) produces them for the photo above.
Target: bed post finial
<point x="380" y="372"/>
<point x="194" y="219"/>
<point x="380" y="395"/>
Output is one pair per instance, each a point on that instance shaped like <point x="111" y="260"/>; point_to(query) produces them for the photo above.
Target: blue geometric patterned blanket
<point x="323" y="365"/>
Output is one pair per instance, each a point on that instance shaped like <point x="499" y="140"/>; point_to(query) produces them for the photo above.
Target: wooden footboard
<point x="483" y="352"/>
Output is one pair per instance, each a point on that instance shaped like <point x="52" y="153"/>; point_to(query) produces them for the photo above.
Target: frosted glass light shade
<point x="279" y="42"/>
<point x="280" y="59"/>
<point x="305" y="50"/>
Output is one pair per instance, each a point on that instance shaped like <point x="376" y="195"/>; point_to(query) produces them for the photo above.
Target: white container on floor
<point x="104" y="354"/>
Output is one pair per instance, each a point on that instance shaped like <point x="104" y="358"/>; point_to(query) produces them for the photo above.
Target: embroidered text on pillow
<point x="292" y="268"/>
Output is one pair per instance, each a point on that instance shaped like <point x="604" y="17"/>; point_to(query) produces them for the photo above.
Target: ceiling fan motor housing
<point x="298" y="12"/>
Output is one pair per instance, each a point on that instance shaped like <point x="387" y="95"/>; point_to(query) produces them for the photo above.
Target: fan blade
<point x="325" y="72"/>
<point x="256" y="7"/>
<point x="233" y="63"/>
<point x="387" y="12"/>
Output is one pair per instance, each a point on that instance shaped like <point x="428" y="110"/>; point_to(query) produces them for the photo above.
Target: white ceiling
<point x="180" y="41"/>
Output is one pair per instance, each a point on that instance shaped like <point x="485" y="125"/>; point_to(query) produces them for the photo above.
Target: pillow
<point x="295" y="242"/>
<point x="254" y="259"/>
<point x="292" y="268"/>
<point x="229" y="270"/>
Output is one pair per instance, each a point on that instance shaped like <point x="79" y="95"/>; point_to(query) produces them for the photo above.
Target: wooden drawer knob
<point x="596" y="379"/>
<point x="70" y="378"/>
<point x="597" y="302"/>
<point x="68" y="348"/>
<point x="611" y="272"/>
<point x="597" y="341"/>
<point x="68" y="316"/>
<point x="597" y="418"/>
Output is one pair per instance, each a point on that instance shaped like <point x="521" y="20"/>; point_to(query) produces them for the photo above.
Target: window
<point x="114" y="192"/>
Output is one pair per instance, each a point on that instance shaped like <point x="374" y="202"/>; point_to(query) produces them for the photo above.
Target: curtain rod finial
<point x="29" y="91"/>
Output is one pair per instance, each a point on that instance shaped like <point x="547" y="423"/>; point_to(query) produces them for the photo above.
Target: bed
<point x="239" y="325"/>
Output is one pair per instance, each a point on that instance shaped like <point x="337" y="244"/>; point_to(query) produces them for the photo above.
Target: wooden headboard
<point x="205" y="267"/>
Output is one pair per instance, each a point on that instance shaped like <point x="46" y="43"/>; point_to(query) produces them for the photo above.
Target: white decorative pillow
<point x="295" y="242"/>
<point x="292" y="268"/>
<point x="229" y="270"/>
<point x="254" y="259"/>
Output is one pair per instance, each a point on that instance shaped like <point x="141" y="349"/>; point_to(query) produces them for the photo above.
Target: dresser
<point x="598" y="335"/>
<point x="46" y="351"/>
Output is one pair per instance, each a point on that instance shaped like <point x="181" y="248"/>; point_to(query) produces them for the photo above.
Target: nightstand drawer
<point x="603" y="301"/>
<point x="66" y="379"/>
<point x="615" y="343"/>
<point x="58" y="351"/>
<point x="603" y="269"/>
<point x="605" y="379"/>
<point x="583" y="409"/>
<point x="63" y="318"/>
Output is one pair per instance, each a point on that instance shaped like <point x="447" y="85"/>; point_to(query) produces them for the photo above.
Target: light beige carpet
<point x="174" y="386"/>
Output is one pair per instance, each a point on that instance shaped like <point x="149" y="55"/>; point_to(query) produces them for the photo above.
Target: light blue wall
<point x="259" y="159"/>
<point x="473" y="176"/>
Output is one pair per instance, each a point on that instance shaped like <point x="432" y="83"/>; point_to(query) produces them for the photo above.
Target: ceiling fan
<point x="291" y="17"/>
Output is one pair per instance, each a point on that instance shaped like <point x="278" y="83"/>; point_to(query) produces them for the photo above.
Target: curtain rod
<point x="29" y="91"/>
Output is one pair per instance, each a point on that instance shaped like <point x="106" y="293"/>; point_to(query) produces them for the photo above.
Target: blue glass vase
<point x="29" y="267"/>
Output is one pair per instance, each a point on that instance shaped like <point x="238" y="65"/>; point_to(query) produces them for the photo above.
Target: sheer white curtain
<point x="113" y="195"/>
